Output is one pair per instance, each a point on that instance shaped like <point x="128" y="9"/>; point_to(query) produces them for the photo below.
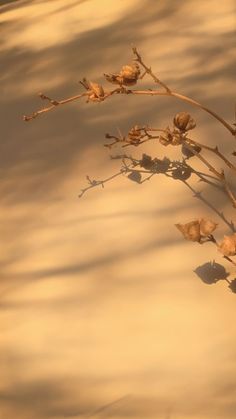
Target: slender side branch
<point x="123" y="90"/>
<point x="214" y="150"/>
<point x="220" y="175"/>
<point x="54" y="105"/>
<point x="148" y="70"/>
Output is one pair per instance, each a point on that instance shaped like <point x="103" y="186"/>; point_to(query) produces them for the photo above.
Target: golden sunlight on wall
<point x="102" y="313"/>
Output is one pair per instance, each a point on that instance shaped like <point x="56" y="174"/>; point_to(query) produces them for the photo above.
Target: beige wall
<point x="102" y="314"/>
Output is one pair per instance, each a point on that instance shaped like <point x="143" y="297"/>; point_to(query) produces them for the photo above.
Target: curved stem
<point x="214" y="150"/>
<point x="185" y="99"/>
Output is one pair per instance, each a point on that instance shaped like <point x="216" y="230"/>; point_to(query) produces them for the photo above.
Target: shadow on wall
<point x="212" y="272"/>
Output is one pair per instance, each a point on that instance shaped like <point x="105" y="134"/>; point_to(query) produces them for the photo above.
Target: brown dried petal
<point x="207" y="227"/>
<point x="228" y="245"/>
<point x="184" y="121"/>
<point x="190" y="231"/>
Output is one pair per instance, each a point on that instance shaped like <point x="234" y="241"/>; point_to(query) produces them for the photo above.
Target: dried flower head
<point x="135" y="135"/>
<point x="128" y="76"/>
<point x="197" y="229"/>
<point x="190" y="231"/>
<point x="95" y="91"/>
<point x="207" y="227"/>
<point x="228" y="245"/>
<point x="170" y="137"/>
<point x="184" y="122"/>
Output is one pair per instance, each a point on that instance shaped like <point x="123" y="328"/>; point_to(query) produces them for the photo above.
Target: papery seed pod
<point x="190" y="231"/>
<point x="176" y="139"/>
<point x="164" y="141"/>
<point x="228" y="245"/>
<point x="166" y="138"/>
<point x="183" y="121"/>
<point x="134" y="135"/>
<point x="207" y="227"/>
<point x="130" y="71"/>
<point x="97" y="89"/>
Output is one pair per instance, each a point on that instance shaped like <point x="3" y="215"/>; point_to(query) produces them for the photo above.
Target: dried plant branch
<point x="148" y="70"/>
<point x="214" y="150"/>
<point x="54" y="105"/>
<point x="123" y="90"/>
<point x="220" y="175"/>
<point x="142" y="170"/>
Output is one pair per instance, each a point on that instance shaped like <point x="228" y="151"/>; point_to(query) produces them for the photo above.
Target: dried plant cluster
<point x="178" y="134"/>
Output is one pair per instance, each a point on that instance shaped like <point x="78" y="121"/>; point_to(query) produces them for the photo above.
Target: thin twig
<point x="122" y="90"/>
<point x="148" y="70"/>
<point x="214" y="150"/>
<point x="220" y="175"/>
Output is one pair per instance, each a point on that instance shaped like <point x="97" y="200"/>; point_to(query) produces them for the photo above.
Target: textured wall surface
<point x="101" y="312"/>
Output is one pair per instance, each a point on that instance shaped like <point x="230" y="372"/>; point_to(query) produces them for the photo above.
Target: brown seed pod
<point x="97" y="89"/>
<point x="207" y="227"/>
<point x="134" y="135"/>
<point x="190" y="231"/>
<point x="228" y="245"/>
<point x="183" y="121"/>
<point x="130" y="71"/>
<point x="170" y="137"/>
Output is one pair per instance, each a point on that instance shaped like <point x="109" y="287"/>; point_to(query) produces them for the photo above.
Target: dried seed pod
<point x="190" y="231"/>
<point x="97" y="89"/>
<point x="170" y="137"/>
<point x="183" y="121"/>
<point x="128" y="75"/>
<point x="135" y="135"/>
<point x="166" y="138"/>
<point x="131" y="72"/>
<point x="228" y="245"/>
<point x="207" y="227"/>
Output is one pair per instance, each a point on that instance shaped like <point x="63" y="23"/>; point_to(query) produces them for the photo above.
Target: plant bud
<point x="190" y="231"/>
<point x="183" y="121"/>
<point x="228" y="245"/>
<point x="207" y="227"/>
